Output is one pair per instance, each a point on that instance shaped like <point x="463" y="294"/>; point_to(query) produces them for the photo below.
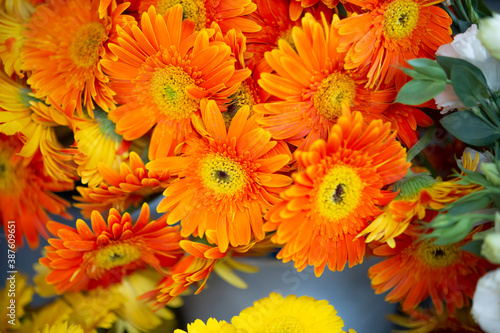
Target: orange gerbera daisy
<point x="314" y="84"/>
<point x="122" y="189"/>
<point x="389" y="34"/>
<point x="195" y="268"/>
<point x="225" y="182"/>
<point x="273" y="17"/>
<point x="162" y="72"/>
<point x="228" y="14"/>
<point x="422" y="320"/>
<point x="336" y="193"/>
<point x="298" y="6"/>
<point x="82" y="259"/>
<point x="405" y="119"/>
<point x="26" y="192"/>
<point x="417" y="269"/>
<point x="64" y="43"/>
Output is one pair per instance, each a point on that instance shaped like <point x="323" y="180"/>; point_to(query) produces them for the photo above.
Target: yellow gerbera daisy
<point x="97" y="142"/>
<point x="275" y="314"/>
<point x="212" y="326"/>
<point x="91" y="310"/>
<point x="50" y="315"/>
<point x="23" y="296"/>
<point x="61" y="328"/>
<point x="94" y="309"/>
<point x="136" y="315"/>
<point x="418" y="193"/>
<point x="21" y="113"/>
<point x="13" y="15"/>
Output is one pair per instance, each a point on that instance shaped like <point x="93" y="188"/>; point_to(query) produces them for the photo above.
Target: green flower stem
<point x="489" y="112"/>
<point x="421" y="144"/>
<point x="460" y="8"/>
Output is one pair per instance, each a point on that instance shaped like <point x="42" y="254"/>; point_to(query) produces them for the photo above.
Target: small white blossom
<point x="485" y="157"/>
<point x="486" y="302"/>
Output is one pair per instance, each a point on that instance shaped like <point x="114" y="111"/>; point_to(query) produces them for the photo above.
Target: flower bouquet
<point x="154" y="143"/>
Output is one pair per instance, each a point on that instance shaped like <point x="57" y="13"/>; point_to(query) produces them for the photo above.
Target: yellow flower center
<point x="86" y="45"/>
<point x="438" y="255"/>
<point x="284" y="325"/>
<point x="191" y="9"/>
<point x="222" y="175"/>
<point x="339" y="193"/>
<point x="168" y="89"/>
<point x="116" y="255"/>
<point x="242" y="96"/>
<point x="400" y="19"/>
<point x="288" y="37"/>
<point x="332" y="92"/>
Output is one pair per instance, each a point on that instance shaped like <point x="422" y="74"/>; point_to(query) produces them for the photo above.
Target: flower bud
<point x="491" y="172"/>
<point x="488" y="34"/>
<point x="491" y="247"/>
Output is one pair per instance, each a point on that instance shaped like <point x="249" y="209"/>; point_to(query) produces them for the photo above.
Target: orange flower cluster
<point x="257" y="124"/>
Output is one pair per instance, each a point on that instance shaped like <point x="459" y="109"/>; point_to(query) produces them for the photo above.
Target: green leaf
<point x="469" y="128"/>
<point x="483" y="10"/>
<point x="468" y="87"/>
<point x="447" y="63"/>
<point x="419" y="91"/>
<point x="470" y="203"/>
<point x="414" y="74"/>
<point x="473" y="247"/>
<point x="429" y="68"/>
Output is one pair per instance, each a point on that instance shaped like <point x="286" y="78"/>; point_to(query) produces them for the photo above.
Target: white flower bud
<point x="491" y="247"/>
<point x="488" y="34"/>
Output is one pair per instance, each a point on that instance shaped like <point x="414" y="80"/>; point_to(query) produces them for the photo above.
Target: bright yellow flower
<point x="212" y="326"/>
<point x="61" y="328"/>
<point x="97" y="142"/>
<point x="13" y="15"/>
<point x="292" y="314"/>
<point x="21" y="112"/>
<point x="418" y="193"/>
<point x="50" y="315"/>
<point x="94" y="309"/>
<point x="136" y="315"/>
<point x="23" y="295"/>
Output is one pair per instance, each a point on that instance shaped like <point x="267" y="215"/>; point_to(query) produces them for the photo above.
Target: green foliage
<point x="450" y="228"/>
<point x="468" y="86"/>
<point x="429" y="80"/>
<point x="464" y="13"/>
<point x="419" y="91"/>
<point x="447" y="63"/>
<point x="469" y="128"/>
